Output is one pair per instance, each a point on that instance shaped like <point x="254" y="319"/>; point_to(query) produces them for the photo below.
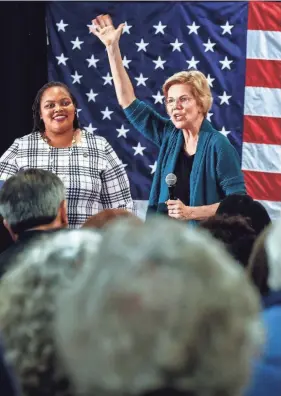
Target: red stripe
<point x="263" y="73"/>
<point x="263" y="186"/>
<point x="263" y="130"/>
<point x="264" y="16"/>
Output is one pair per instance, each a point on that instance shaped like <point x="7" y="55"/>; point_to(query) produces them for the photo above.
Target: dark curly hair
<point x="246" y="206"/>
<point x="235" y="232"/>
<point x="258" y="267"/>
<point x="38" y="123"/>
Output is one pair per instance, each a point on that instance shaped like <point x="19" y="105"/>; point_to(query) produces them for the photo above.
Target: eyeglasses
<point x="183" y="100"/>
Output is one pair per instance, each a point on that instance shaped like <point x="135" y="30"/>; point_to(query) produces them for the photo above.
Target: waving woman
<point x="206" y="165"/>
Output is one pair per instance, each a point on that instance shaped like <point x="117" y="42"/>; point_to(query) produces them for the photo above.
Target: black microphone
<point x="171" y="181"/>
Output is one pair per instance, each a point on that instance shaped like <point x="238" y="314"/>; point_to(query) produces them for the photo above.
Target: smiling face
<point x="182" y="107"/>
<point x="57" y="110"/>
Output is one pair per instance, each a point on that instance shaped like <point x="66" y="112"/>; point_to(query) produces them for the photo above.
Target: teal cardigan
<point x="216" y="170"/>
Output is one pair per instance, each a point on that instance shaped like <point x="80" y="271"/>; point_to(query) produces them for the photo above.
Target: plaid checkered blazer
<point x="93" y="175"/>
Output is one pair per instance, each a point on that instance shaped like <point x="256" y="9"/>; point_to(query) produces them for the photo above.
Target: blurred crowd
<point x="123" y="307"/>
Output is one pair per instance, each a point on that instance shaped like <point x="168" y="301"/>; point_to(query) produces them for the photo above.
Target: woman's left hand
<point x="178" y="210"/>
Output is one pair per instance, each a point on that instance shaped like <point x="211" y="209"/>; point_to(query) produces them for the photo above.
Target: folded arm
<point x="230" y="179"/>
<point x="178" y="210"/>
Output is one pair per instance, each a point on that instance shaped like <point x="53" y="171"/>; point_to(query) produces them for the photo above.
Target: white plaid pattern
<point x="92" y="173"/>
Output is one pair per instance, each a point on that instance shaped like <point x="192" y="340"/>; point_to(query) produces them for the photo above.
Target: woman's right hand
<point x="105" y="30"/>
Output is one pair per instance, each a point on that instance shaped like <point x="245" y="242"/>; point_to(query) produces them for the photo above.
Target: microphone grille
<point x="171" y="179"/>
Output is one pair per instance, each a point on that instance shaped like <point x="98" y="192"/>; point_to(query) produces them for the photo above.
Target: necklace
<point x="59" y="158"/>
<point x="48" y="140"/>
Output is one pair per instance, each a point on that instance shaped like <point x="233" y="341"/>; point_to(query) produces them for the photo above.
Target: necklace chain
<point x="64" y="173"/>
<point x="48" y="140"/>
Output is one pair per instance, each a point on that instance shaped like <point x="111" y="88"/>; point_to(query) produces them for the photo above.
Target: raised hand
<point x="105" y="31"/>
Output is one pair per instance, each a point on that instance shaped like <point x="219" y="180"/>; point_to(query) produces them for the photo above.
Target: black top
<point x="182" y="171"/>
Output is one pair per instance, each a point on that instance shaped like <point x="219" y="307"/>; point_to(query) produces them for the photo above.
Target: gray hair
<point x="30" y="198"/>
<point x="273" y="250"/>
<point x="165" y="306"/>
<point x="27" y="295"/>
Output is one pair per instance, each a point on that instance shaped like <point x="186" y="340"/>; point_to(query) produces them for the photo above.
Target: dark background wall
<point x="23" y="66"/>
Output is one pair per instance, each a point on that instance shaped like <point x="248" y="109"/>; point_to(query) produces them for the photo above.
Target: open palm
<point x="105" y="30"/>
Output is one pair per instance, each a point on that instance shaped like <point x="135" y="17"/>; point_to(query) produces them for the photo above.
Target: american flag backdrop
<point x="237" y="45"/>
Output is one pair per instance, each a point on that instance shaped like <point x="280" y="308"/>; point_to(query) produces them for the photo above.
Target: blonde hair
<point x="199" y="87"/>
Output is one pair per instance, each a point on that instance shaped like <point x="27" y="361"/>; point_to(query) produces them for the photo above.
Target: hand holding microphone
<point x="176" y="208"/>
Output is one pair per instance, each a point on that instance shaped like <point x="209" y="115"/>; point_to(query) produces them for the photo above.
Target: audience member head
<point x="258" y="263"/>
<point x="273" y="250"/>
<point x="244" y="205"/>
<point x="235" y="233"/>
<point x="33" y="198"/>
<point x="27" y="303"/>
<point x="38" y="123"/>
<point x="165" y="309"/>
<point x="198" y="83"/>
<point x="107" y="216"/>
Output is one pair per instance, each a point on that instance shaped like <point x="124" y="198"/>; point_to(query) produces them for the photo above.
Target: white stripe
<point x="140" y="208"/>
<point x="261" y="157"/>
<point x="273" y="208"/>
<point x="263" y="45"/>
<point x="262" y="102"/>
